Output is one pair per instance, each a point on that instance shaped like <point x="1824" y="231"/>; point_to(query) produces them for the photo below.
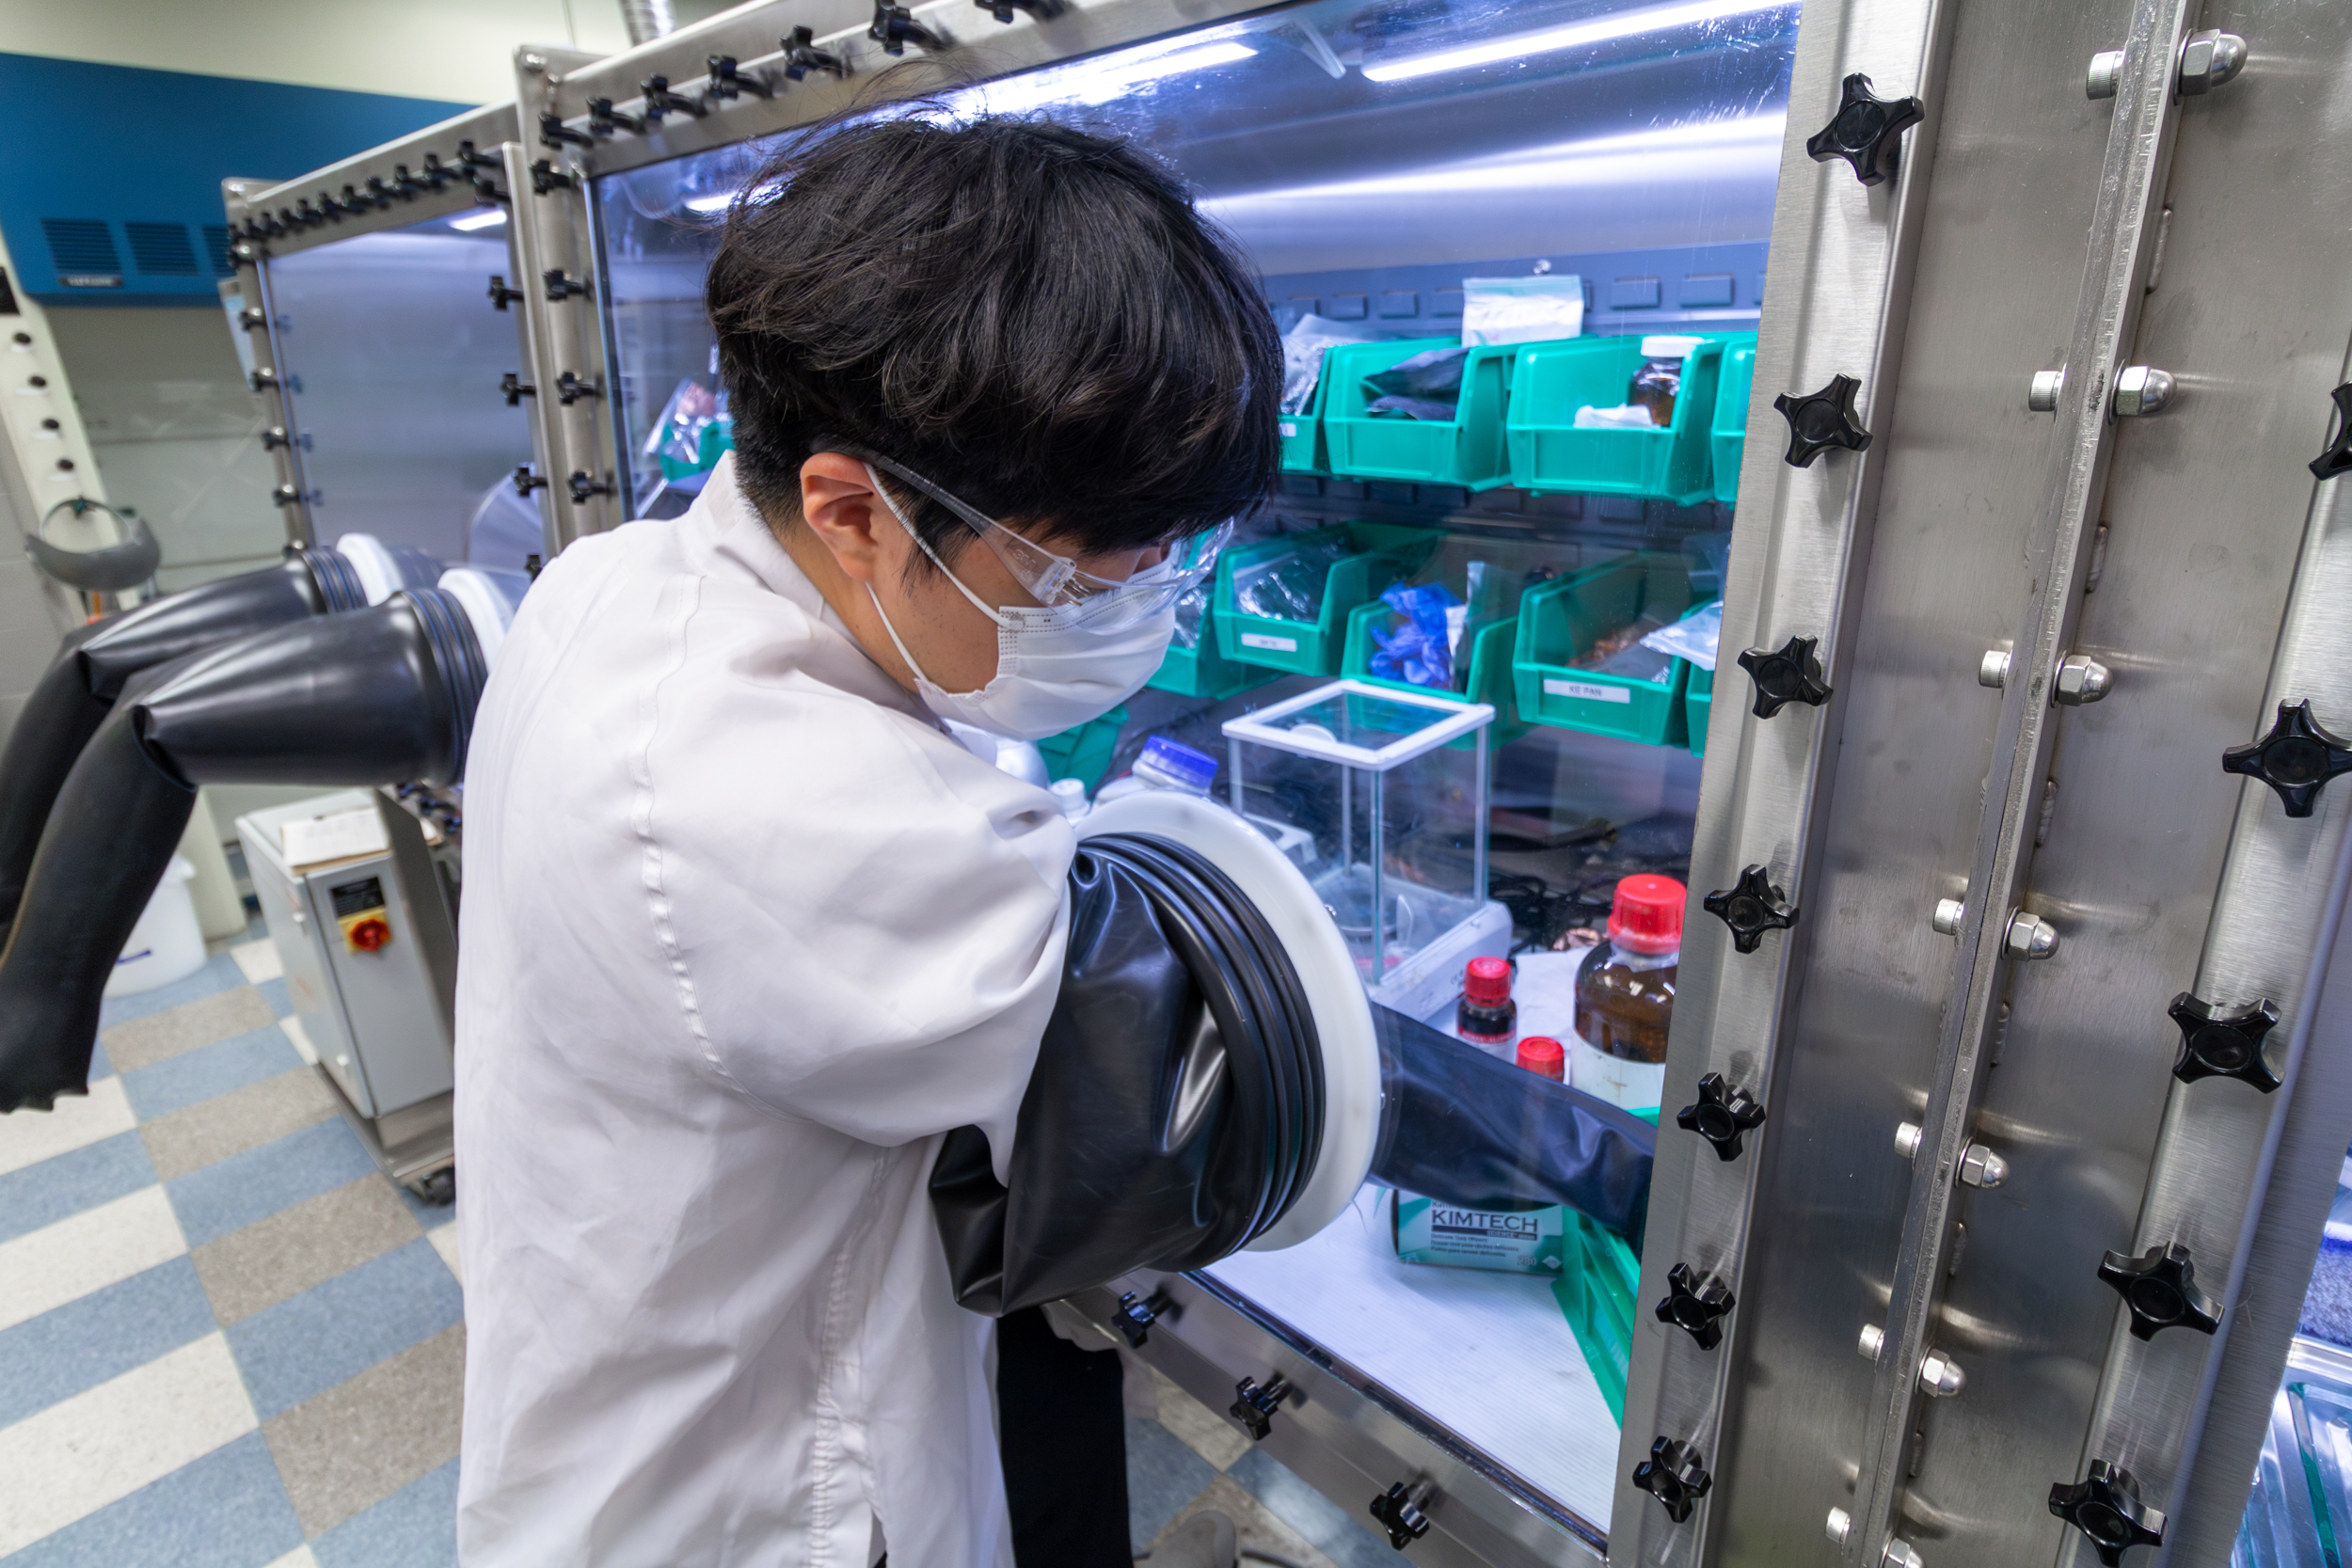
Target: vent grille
<point x="81" y="247"/>
<point x="216" y="250"/>
<point x="162" y="249"/>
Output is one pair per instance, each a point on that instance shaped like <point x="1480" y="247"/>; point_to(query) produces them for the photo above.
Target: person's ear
<point x="839" y="505"/>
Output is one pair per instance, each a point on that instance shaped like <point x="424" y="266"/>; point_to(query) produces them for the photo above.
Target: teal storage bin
<point x="1595" y="1291"/>
<point x="1728" y="434"/>
<point x="1698" y="705"/>
<point x="1201" y="671"/>
<point x="1388" y="553"/>
<point x="1489" y="652"/>
<point x="1084" y="752"/>
<point x="1548" y="453"/>
<point x="1469" y="451"/>
<point x="1563" y="620"/>
<point x="1302" y="433"/>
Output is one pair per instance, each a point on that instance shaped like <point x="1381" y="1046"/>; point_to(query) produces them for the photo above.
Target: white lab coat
<point x="744" y="932"/>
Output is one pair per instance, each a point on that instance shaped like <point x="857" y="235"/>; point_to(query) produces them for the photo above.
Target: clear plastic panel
<point x="393" y="356"/>
<point x="1370" y="156"/>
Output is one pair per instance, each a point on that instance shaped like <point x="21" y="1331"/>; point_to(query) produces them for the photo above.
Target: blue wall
<point x="110" y="176"/>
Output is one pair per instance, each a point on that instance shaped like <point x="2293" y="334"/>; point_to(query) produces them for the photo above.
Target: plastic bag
<point x="681" y="436"/>
<point x="1625" y="415"/>
<point x="1529" y="310"/>
<point x="1421" y="650"/>
<point x="1693" y="637"/>
<point x="1302" y="356"/>
<point x="1191" y="609"/>
<point x="1290" y="587"/>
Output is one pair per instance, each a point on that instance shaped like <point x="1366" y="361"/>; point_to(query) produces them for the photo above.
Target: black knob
<point x="581" y="487"/>
<point x="515" y="389"/>
<point x="473" y="157"/>
<point x="1697" y="1306"/>
<point x="2160" y="1288"/>
<point x="308" y="215"/>
<point x="1751" y="907"/>
<point x="727" y="81"/>
<point x="569" y="389"/>
<point x="2337" y="456"/>
<point x="1136" y="1314"/>
<point x="1822" y="420"/>
<point x="895" y="27"/>
<point x="1674" y="1475"/>
<point x="1044" y="10"/>
<point x="561" y="287"/>
<point x="1790" y="674"/>
<point x="1399" y="1512"/>
<point x="500" y="295"/>
<point x="1722" y="1116"/>
<point x="2214" y="1044"/>
<point x="526" y="481"/>
<point x="261" y="380"/>
<point x="603" y="119"/>
<point x="406" y="184"/>
<point x="545" y="177"/>
<point x="2296" y="758"/>
<point x="802" y="55"/>
<point x="1867" y="131"/>
<point x="661" y="100"/>
<point x="2106" y="1508"/>
<point x="554" y="133"/>
<point x="380" y="192"/>
<point x="275" y="436"/>
<point x="1256" y="1402"/>
<point x="252" y="321"/>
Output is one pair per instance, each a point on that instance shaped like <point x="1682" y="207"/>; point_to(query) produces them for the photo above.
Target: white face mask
<point x="1050" y="675"/>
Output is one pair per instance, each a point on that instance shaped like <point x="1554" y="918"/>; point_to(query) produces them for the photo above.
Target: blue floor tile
<point x="101" y="1336"/>
<point x="414" y="1527"/>
<point x="273" y="992"/>
<point x="1162" y="1475"/>
<point x="99" y="1066"/>
<point x="227" y="1510"/>
<point x="307" y="1344"/>
<point x="256" y="1184"/>
<point x="1329" y="1527"/>
<point x="70" y="1182"/>
<point x="198" y="1075"/>
<point x="220" y="973"/>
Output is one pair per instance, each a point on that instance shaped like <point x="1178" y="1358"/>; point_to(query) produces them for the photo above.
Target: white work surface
<point x="1489" y="1356"/>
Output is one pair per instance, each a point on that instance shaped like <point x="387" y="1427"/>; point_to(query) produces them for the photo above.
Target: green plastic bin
<point x="1469" y="451"/>
<point x="1084" y="752"/>
<point x="1698" y="704"/>
<point x="1313" y="647"/>
<point x="1561" y="620"/>
<point x="1595" y="1291"/>
<point x="1489" y="665"/>
<point x="1548" y="453"/>
<point x="1201" y="671"/>
<point x="1728" y="434"/>
<point x="1302" y="431"/>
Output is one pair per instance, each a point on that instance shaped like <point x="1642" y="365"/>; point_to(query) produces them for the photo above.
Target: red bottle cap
<point x="1648" y="914"/>
<point x="1487" y="982"/>
<point x="1542" y="1053"/>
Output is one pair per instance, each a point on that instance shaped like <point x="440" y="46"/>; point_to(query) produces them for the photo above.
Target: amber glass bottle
<point x="1624" y="995"/>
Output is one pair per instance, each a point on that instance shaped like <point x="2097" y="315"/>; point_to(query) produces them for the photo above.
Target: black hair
<point x="1035" y="319"/>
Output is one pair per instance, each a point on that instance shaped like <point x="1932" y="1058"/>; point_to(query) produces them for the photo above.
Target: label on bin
<point x="1587" y="690"/>
<point x="1526" y="1242"/>
<point x="1289" y="429"/>
<point x="1262" y="640"/>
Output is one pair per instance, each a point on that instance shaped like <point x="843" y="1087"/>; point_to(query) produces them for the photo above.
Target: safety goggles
<point x="1056" y="581"/>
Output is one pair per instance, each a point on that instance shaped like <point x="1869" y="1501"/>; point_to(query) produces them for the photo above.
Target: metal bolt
<point x="2031" y="936"/>
<point x="2208" y="60"/>
<point x="1981" y="1167"/>
<point x="1992" y="669"/>
<point x="1900" y="1555"/>
<point x="2081" y="679"/>
<point x="1949" y="913"/>
<point x="2042" y="396"/>
<point x="1873" y="1338"/>
<point x="1840" y="1525"/>
<point x="1941" y="1376"/>
<point x="2141" y="390"/>
<point x="1907" y="1137"/>
<point x="2105" y="67"/>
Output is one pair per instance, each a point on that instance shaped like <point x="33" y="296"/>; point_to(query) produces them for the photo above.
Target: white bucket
<point x="167" y="945"/>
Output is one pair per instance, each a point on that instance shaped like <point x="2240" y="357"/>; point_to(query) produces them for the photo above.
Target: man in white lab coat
<point x="745" y="930"/>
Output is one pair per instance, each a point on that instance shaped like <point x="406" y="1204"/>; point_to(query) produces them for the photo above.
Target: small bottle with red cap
<point x="1487" y="1017"/>
<point x="1624" y="995"/>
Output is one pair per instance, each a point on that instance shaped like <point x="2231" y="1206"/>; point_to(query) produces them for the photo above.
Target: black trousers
<point x="1063" y="1428"/>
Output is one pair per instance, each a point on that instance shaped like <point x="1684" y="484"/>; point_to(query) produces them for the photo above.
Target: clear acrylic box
<point x="1380" y="796"/>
